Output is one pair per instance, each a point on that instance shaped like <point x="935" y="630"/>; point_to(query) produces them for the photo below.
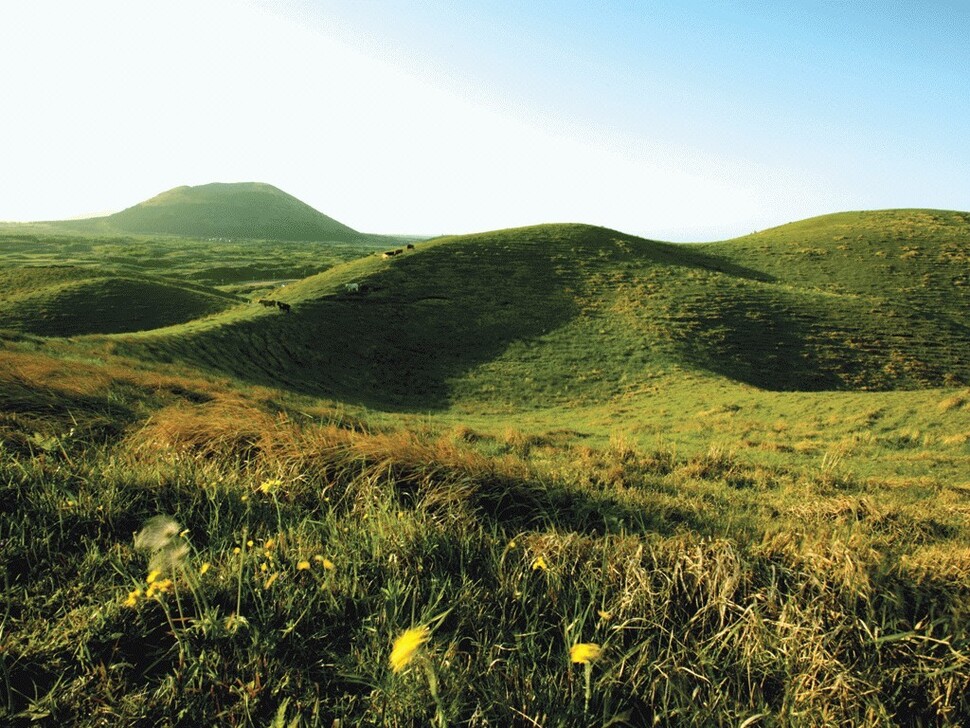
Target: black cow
<point x="284" y="307"/>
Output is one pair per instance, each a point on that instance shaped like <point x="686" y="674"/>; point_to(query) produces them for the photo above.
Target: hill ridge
<point x="567" y="313"/>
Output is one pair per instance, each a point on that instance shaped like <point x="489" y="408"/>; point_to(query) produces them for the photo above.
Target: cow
<point x="410" y="246"/>
<point x="267" y="302"/>
<point x="389" y="253"/>
<point x="284" y="307"/>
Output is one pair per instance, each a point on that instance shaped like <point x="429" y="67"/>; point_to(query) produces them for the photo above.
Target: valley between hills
<point x="740" y="469"/>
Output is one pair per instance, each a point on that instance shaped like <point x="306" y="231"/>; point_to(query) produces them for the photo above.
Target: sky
<point x="680" y="120"/>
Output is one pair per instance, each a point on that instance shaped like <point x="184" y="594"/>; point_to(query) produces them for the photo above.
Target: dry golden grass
<point x="955" y="401"/>
<point x="227" y="427"/>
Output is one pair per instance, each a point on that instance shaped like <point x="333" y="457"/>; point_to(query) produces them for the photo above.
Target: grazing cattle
<point x="352" y="287"/>
<point x="410" y="246"/>
<point x="266" y="302"/>
<point x="285" y="307"/>
<point x="391" y="253"/>
<point x="398" y="251"/>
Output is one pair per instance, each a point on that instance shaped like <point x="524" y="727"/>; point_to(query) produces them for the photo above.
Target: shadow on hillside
<point x="694" y="257"/>
<point x="767" y="340"/>
<point x="395" y="346"/>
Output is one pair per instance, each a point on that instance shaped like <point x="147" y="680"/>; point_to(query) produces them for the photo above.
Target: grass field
<point x="555" y="476"/>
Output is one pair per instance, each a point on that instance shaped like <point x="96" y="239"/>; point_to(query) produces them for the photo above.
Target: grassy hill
<point x="573" y="314"/>
<point x="239" y="210"/>
<point x="70" y="301"/>
<point x="587" y="515"/>
<point x="918" y="259"/>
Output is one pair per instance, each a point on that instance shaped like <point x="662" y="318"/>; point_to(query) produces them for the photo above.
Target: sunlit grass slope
<point x="69" y="301"/>
<point x="918" y="259"/>
<point x="574" y="314"/>
<point x="233" y="210"/>
<point x="716" y="591"/>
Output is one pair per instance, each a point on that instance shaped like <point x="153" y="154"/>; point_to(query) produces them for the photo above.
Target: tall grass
<point x="718" y="591"/>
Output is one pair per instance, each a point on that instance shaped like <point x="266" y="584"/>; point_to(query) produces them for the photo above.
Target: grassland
<point x="515" y="443"/>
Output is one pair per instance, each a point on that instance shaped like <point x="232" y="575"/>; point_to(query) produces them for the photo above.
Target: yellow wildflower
<point x="268" y="486"/>
<point x="406" y="646"/>
<point x="512" y="544"/>
<point x="269" y="543"/>
<point x="325" y="562"/>
<point x="585" y="653"/>
<point x="153" y="575"/>
<point x="272" y="578"/>
<point x="161" y="586"/>
<point x="604" y="615"/>
<point x="237" y="550"/>
<point x="264" y="567"/>
<point x="204" y="568"/>
<point x="302" y="565"/>
<point x="133" y="597"/>
<point x="540" y="563"/>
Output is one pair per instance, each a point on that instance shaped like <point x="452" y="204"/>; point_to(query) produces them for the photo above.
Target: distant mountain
<point x="237" y="210"/>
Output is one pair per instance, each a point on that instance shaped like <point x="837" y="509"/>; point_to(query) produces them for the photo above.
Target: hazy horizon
<point x="678" y="121"/>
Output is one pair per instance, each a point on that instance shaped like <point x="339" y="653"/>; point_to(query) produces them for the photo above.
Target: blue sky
<point x="673" y="120"/>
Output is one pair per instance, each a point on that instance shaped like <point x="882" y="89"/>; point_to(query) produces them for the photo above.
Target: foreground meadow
<point x="182" y="550"/>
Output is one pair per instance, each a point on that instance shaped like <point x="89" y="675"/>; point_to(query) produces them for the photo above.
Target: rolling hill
<point x="72" y="301"/>
<point x="248" y="210"/>
<point x="587" y="457"/>
<point x="573" y="314"/>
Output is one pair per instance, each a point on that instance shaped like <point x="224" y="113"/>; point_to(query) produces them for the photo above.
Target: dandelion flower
<point x="540" y="563"/>
<point x="160" y="586"/>
<point x="204" y="568"/>
<point x="133" y="597"/>
<point x="406" y="646"/>
<point x="325" y="562"/>
<point x="269" y="543"/>
<point x="585" y="653"/>
<point x="237" y="550"/>
<point x="302" y="565"/>
<point x="153" y="575"/>
<point x="604" y="615"/>
<point x="272" y="578"/>
<point x="512" y="544"/>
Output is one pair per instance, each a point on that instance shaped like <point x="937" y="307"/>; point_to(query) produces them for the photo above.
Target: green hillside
<point x="573" y="314"/>
<point x="571" y="489"/>
<point x="918" y="259"/>
<point x="239" y="210"/>
<point x="70" y="301"/>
